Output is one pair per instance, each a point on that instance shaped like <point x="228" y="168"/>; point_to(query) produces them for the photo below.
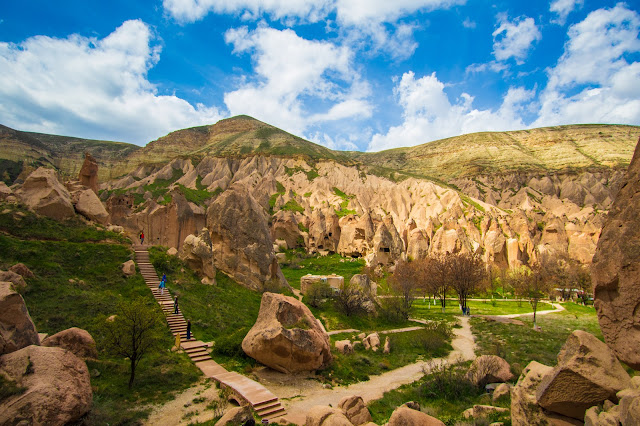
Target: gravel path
<point x="558" y="308"/>
<point x="308" y="396"/>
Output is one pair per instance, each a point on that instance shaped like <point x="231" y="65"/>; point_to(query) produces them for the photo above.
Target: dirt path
<point x="299" y="397"/>
<point x="558" y="308"/>
<point x="178" y="411"/>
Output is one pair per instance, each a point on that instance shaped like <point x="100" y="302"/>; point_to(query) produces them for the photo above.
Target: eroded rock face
<point x="285" y="227"/>
<point x="58" y="390"/>
<point x="16" y="328"/>
<point x="241" y="242"/>
<point x="5" y="191"/>
<point x="88" y="175"/>
<point x="616" y="270"/>
<point x="74" y="339"/>
<point x="17" y="280"/>
<point x="198" y="253"/>
<point x="45" y="195"/>
<point x="587" y="374"/>
<point x="489" y="369"/>
<point x="287" y="337"/>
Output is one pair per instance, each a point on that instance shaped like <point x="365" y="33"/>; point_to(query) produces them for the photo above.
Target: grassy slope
<point x="56" y="304"/>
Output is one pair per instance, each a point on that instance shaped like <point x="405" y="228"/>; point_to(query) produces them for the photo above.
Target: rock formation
<point x="241" y="242"/>
<point x="405" y="416"/>
<point x="129" y="268"/>
<point x="87" y="203"/>
<point x="16" y="328"/>
<point x="616" y="270"/>
<point x="19" y="284"/>
<point x="489" y="369"/>
<point x="197" y="252"/>
<point x="22" y="270"/>
<point x="57" y="388"/>
<point x="355" y="410"/>
<point x="74" y="339"/>
<point x="45" y="195"/>
<point x="88" y="175"/>
<point x="322" y="415"/>
<point x="587" y="374"/>
<point x="287" y="337"/>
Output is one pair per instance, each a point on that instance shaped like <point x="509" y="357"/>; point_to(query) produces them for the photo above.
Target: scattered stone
<point x="478" y="411"/>
<point x="405" y="416"/>
<point x="235" y="416"/>
<point x="22" y="270"/>
<point x="16" y="327"/>
<point x="372" y="342"/>
<point x="172" y="251"/>
<point x="115" y="228"/>
<point x="615" y="271"/>
<point x="17" y="280"/>
<point x="587" y="374"/>
<point x="344" y="346"/>
<point x="355" y="410"/>
<point x="76" y="340"/>
<point x="58" y="390"/>
<point x="287" y="337"/>
<point x="414" y="405"/>
<point x="129" y="268"/>
<point x="502" y="390"/>
<point x="387" y="346"/>
<point x="323" y="415"/>
<point x="361" y="336"/>
<point x="489" y="369"/>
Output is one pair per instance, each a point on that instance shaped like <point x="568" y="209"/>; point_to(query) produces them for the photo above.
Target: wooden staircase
<point x="263" y="402"/>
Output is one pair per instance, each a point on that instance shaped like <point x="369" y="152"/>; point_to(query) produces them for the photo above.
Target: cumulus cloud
<point x="429" y="114"/>
<point x="593" y="82"/>
<point x="292" y="73"/>
<point x="95" y="88"/>
<point x="514" y="39"/>
<point x="562" y="9"/>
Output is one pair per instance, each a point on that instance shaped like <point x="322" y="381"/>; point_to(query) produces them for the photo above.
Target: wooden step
<point x="276" y="412"/>
<point x="200" y="358"/>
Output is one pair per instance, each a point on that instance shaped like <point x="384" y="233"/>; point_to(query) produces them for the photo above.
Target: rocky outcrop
<point x="287" y="337"/>
<point x="489" y="369"/>
<point x="19" y="284"/>
<point x="616" y="270"/>
<point x="57" y="388"/>
<point x="285" y="227"/>
<point x="88" y="175"/>
<point x="405" y="416"/>
<point x="5" y="191"/>
<point x="356" y="235"/>
<point x="22" y="270"/>
<point x="344" y="346"/>
<point x="74" y="339"/>
<point x="587" y="374"/>
<point x="241" y="242"/>
<point x="45" y="195"/>
<point x="323" y="415"/>
<point x="236" y="416"/>
<point x="355" y="410"/>
<point x="197" y="252"/>
<point x="89" y="205"/>
<point x="16" y="328"/>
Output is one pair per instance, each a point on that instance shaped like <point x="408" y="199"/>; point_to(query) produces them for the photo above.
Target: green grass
<point x="292" y="205"/>
<point x="299" y="264"/>
<point x="222" y="313"/>
<point x="521" y="344"/>
<point x="97" y="285"/>
<point x="421" y="308"/>
<point x="406" y="348"/>
<point x="196" y="196"/>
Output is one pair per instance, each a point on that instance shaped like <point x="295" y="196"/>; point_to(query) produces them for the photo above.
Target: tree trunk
<point x="133" y="372"/>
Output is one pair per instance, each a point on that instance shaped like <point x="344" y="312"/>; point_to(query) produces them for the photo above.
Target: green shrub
<point x="447" y="381"/>
<point x="393" y="310"/>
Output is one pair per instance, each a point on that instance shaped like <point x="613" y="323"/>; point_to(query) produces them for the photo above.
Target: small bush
<point x="393" y="310"/>
<point x="448" y="382"/>
<point x="318" y="293"/>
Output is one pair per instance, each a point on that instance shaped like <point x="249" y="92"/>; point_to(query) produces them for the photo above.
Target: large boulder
<point x="16" y="328"/>
<point x="587" y="374"/>
<point x="323" y="415"/>
<point x="129" y="268"/>
<point x="236" y="416"/>
<point x="405" y="416"/>
<point x="22" y="270"/>
<point x="89" y="205"/>
<point x="17" y="280"/>
<point x="615" y="270"/>
<point x="241" y="242"/>
<point x="196" y="251"/>
<point x="74" y="339"/>
<point x="355" y="410"/>
<point x="287" y="337"/>
<point x="489" y="369"/>
<point x="524" y="409"/>
<point x="88" y="175"/>
<point x="57" y="387"/>
<point x="45" y="195"/>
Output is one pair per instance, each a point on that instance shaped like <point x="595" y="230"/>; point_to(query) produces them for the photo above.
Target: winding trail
<point x="298" y="405"/>
<point x="557" y="306"/>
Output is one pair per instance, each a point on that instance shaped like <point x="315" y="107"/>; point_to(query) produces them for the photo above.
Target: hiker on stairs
<point x="188" y="329"/>
<point x="175" y="305"/>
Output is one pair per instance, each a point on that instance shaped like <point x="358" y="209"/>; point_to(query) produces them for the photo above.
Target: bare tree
<point x="405" y="282"/>
<point x="466" y="272"/>
<point x="434" y="273"/>
<point x="133" y="333"/>
<point x="350" y="300"/>
<point x="532" y="284"/>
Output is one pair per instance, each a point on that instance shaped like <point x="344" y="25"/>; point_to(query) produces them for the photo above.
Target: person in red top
<point x="141" y="237"/>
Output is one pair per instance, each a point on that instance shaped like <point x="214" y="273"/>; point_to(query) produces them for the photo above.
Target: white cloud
<point x="95" y="88"/>
<point x="562" y="8"/>
<point x="592" y="81"/>
<point x="357" y="12"/>
<point x="468" y="23"/>
<point x="303" y="10"/>
<point x="514" y="39"/>
<point x="429" y="114"/>
<point x="293" y="72"/>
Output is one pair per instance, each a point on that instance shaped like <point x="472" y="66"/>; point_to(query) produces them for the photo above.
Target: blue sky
<point x="348" y="74"/>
